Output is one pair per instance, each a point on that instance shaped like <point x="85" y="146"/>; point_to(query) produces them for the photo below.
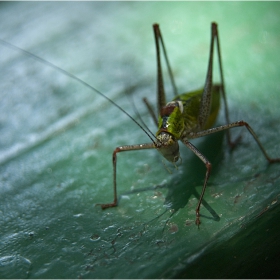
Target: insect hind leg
<point x="215" y="33"/>
<point x="205" y="104"/>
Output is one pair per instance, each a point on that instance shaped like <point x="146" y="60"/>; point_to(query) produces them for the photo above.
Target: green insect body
<point x="180" y="118"/>
<point x="191" y="105"/>
<point x="188" y="116"/>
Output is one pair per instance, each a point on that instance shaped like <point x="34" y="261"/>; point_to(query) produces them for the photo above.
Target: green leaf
<point x="57" y="140"/>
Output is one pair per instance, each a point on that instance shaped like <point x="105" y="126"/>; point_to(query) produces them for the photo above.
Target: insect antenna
<point x="138" y="116"/>
<point x="70" y="75"/>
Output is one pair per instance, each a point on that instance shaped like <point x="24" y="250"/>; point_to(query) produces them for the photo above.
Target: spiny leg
<point x="231" y="125"/>
<point x="161" y="103"/>
<point x="208" y="164"/>
<point x="231" y="143"/>
<point x="161" y="99"/>
<point x="118" y="150"/>
<point x="206" y="98"/>
<point x="208" y="170"/>
<point x="205" y="103"/>
<point x="161" y="93"/>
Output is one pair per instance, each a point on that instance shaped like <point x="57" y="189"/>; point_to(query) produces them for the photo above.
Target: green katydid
<point x="187" y="116"/>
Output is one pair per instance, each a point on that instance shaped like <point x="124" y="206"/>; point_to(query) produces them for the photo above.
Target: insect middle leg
<point x="207" y="175"/>
<point x="231" y="125"/>
<point x="116" y="151"/>
<point x="208" y="164"/>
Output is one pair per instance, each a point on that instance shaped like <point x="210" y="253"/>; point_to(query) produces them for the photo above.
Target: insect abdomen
<point x="191" y="105"/>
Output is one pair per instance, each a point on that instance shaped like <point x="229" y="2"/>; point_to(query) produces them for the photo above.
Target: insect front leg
<point x="114" y="159"/>
<point x="207" y="175"/>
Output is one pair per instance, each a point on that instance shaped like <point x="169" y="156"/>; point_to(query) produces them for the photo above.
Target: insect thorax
<point x="171" y="119"/>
